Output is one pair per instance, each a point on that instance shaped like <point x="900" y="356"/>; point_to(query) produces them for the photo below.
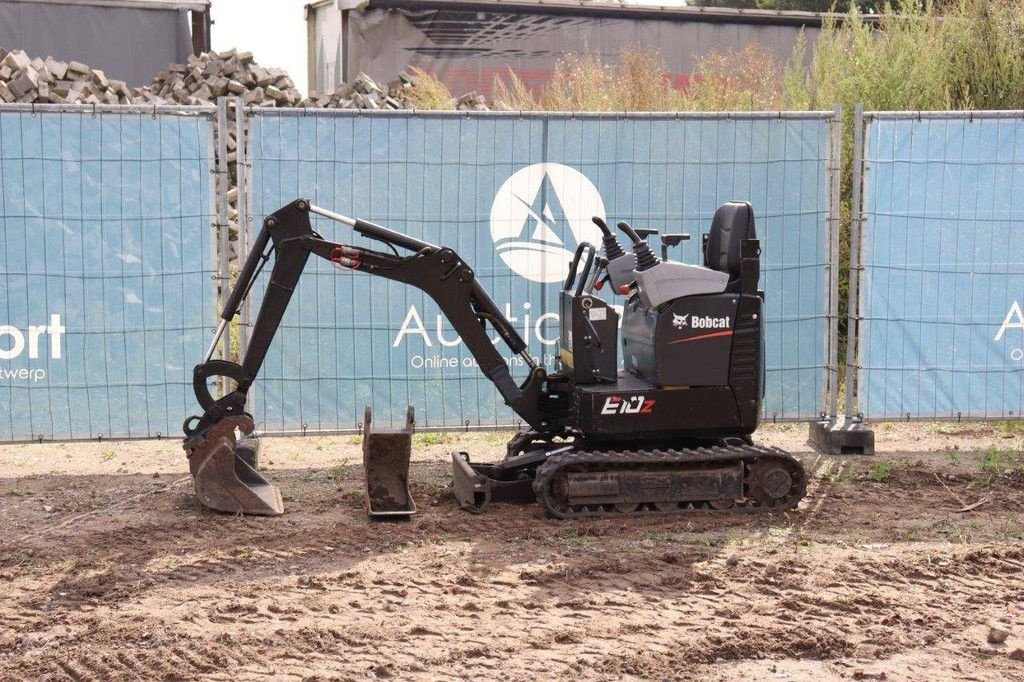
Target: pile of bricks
<point x="365" y="93"/>
<point x="201" y="80"/>
<point x="472" y="101"/>
<point x="362" y="93"/>
<point x="23" y="79"/>
<point x="210" y="75"/>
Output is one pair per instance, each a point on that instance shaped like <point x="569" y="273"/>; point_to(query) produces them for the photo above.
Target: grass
<point x="428" y="92"/>
<point x="1013" y="427"/>
<point x="881" y="472"/>
<point x="997" y="461"/>
<point x="573" y="538"/>
<point x="839" y="474"/>
<point x="953" y="54"/>
<point x="19" y="493"/>
<point x="433" y="438"/>
<point x="317" y="476"/>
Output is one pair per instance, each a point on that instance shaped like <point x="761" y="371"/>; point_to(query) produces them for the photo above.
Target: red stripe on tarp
<point x="702" y="336"/>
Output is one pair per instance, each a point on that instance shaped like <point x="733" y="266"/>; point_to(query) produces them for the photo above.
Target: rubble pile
<point x="362" y="93"/>
<point x="365" y="93"/>
<point x="209" y="75"/>
<point x="51" y="81"/>
<point x="202" y="79"/>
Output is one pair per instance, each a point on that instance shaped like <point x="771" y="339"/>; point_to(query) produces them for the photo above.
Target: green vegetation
<point x="881" y="472"/>
<point x="957" y="54"/>
<point x="433" y="438"/>
<point x="1010" y="428"/>
<point x="574" y="538"/>
<point x="996" y="461"/>
<point x="428" y="92"/>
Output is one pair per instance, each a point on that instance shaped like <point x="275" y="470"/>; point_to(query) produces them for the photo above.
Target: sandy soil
<point x="109" y="569"/>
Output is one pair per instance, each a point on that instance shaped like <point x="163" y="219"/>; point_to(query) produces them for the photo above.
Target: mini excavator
<point x="668" y="434"/>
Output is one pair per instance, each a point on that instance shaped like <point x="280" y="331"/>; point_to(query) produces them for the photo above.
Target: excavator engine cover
<point x="386" y="456"/>
<point x="223" y="478"/>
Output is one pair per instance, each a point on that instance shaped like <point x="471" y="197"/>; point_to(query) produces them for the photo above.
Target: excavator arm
<point x="288" y="236"/>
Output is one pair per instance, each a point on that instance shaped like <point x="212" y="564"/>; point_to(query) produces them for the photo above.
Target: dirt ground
<point x="109" y="569"/>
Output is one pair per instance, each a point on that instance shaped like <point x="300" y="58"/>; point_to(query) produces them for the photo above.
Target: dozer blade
<point x="223" y="480"/>
<point x="477" y="485"/>
<point x="386" y="455"/>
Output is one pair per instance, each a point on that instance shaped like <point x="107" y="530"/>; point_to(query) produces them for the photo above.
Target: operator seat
<point x="733" y="222"/>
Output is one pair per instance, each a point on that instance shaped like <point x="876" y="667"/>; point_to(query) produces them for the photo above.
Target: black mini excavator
<point x="667" y="434"/>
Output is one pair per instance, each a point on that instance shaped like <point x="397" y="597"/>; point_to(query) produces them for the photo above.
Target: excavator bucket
<point x="386" y="455"/>
<point x="223" y="478"/>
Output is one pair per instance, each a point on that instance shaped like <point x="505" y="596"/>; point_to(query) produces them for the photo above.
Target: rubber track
<point x="751" y="455"/>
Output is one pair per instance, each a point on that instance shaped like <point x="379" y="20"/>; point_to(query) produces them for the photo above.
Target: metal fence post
<point x="244" y="215"/>
<point x="834" y="216"/>
<point x="856" y="218"/>
<point x="834" y="435"/>
<point x="223" y="260"/>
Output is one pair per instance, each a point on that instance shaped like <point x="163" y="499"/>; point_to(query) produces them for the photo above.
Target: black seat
<point x="733" y="223"/>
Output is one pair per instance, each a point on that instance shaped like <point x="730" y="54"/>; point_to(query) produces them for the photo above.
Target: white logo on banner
<point x="540" y="215"/>
<point x="15" y="343"/>
<point x="1014" y="320"/>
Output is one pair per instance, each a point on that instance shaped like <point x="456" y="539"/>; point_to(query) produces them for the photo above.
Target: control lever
<point x="645" y="258"/>
<point x="645" y="232"/>
<point x="612" y="248"/>
<point x="620" y="264"/>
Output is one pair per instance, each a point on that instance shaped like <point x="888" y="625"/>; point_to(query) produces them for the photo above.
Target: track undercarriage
<point x="576" y="482"/>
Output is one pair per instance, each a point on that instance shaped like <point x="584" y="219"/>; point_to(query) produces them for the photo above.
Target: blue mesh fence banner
<point x="106" y="255"/>
<point x="514" y="194"/>
<point x="942" y="330"/>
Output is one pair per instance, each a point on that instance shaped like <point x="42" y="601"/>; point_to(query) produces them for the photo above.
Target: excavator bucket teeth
<point x="386" y="455"/>
<point x="223" y="478"/>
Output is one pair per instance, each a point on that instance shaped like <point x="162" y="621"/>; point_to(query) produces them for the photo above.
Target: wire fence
<point x="513" y="194"/>
<point x="114" y="247"/>
<point x="106" y="258"/>
<point x="941" y="332"/>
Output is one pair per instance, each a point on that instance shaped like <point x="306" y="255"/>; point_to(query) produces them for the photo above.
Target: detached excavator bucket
<point x="386" y="455"/>
<point x="224" y="480"/>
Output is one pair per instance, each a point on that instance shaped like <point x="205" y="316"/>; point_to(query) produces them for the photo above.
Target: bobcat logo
<point x="680" y="321"/>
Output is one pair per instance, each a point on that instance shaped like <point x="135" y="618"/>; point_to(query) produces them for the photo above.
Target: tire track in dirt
<point x="870" y="608"/>
<point x="506" y="594"/>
